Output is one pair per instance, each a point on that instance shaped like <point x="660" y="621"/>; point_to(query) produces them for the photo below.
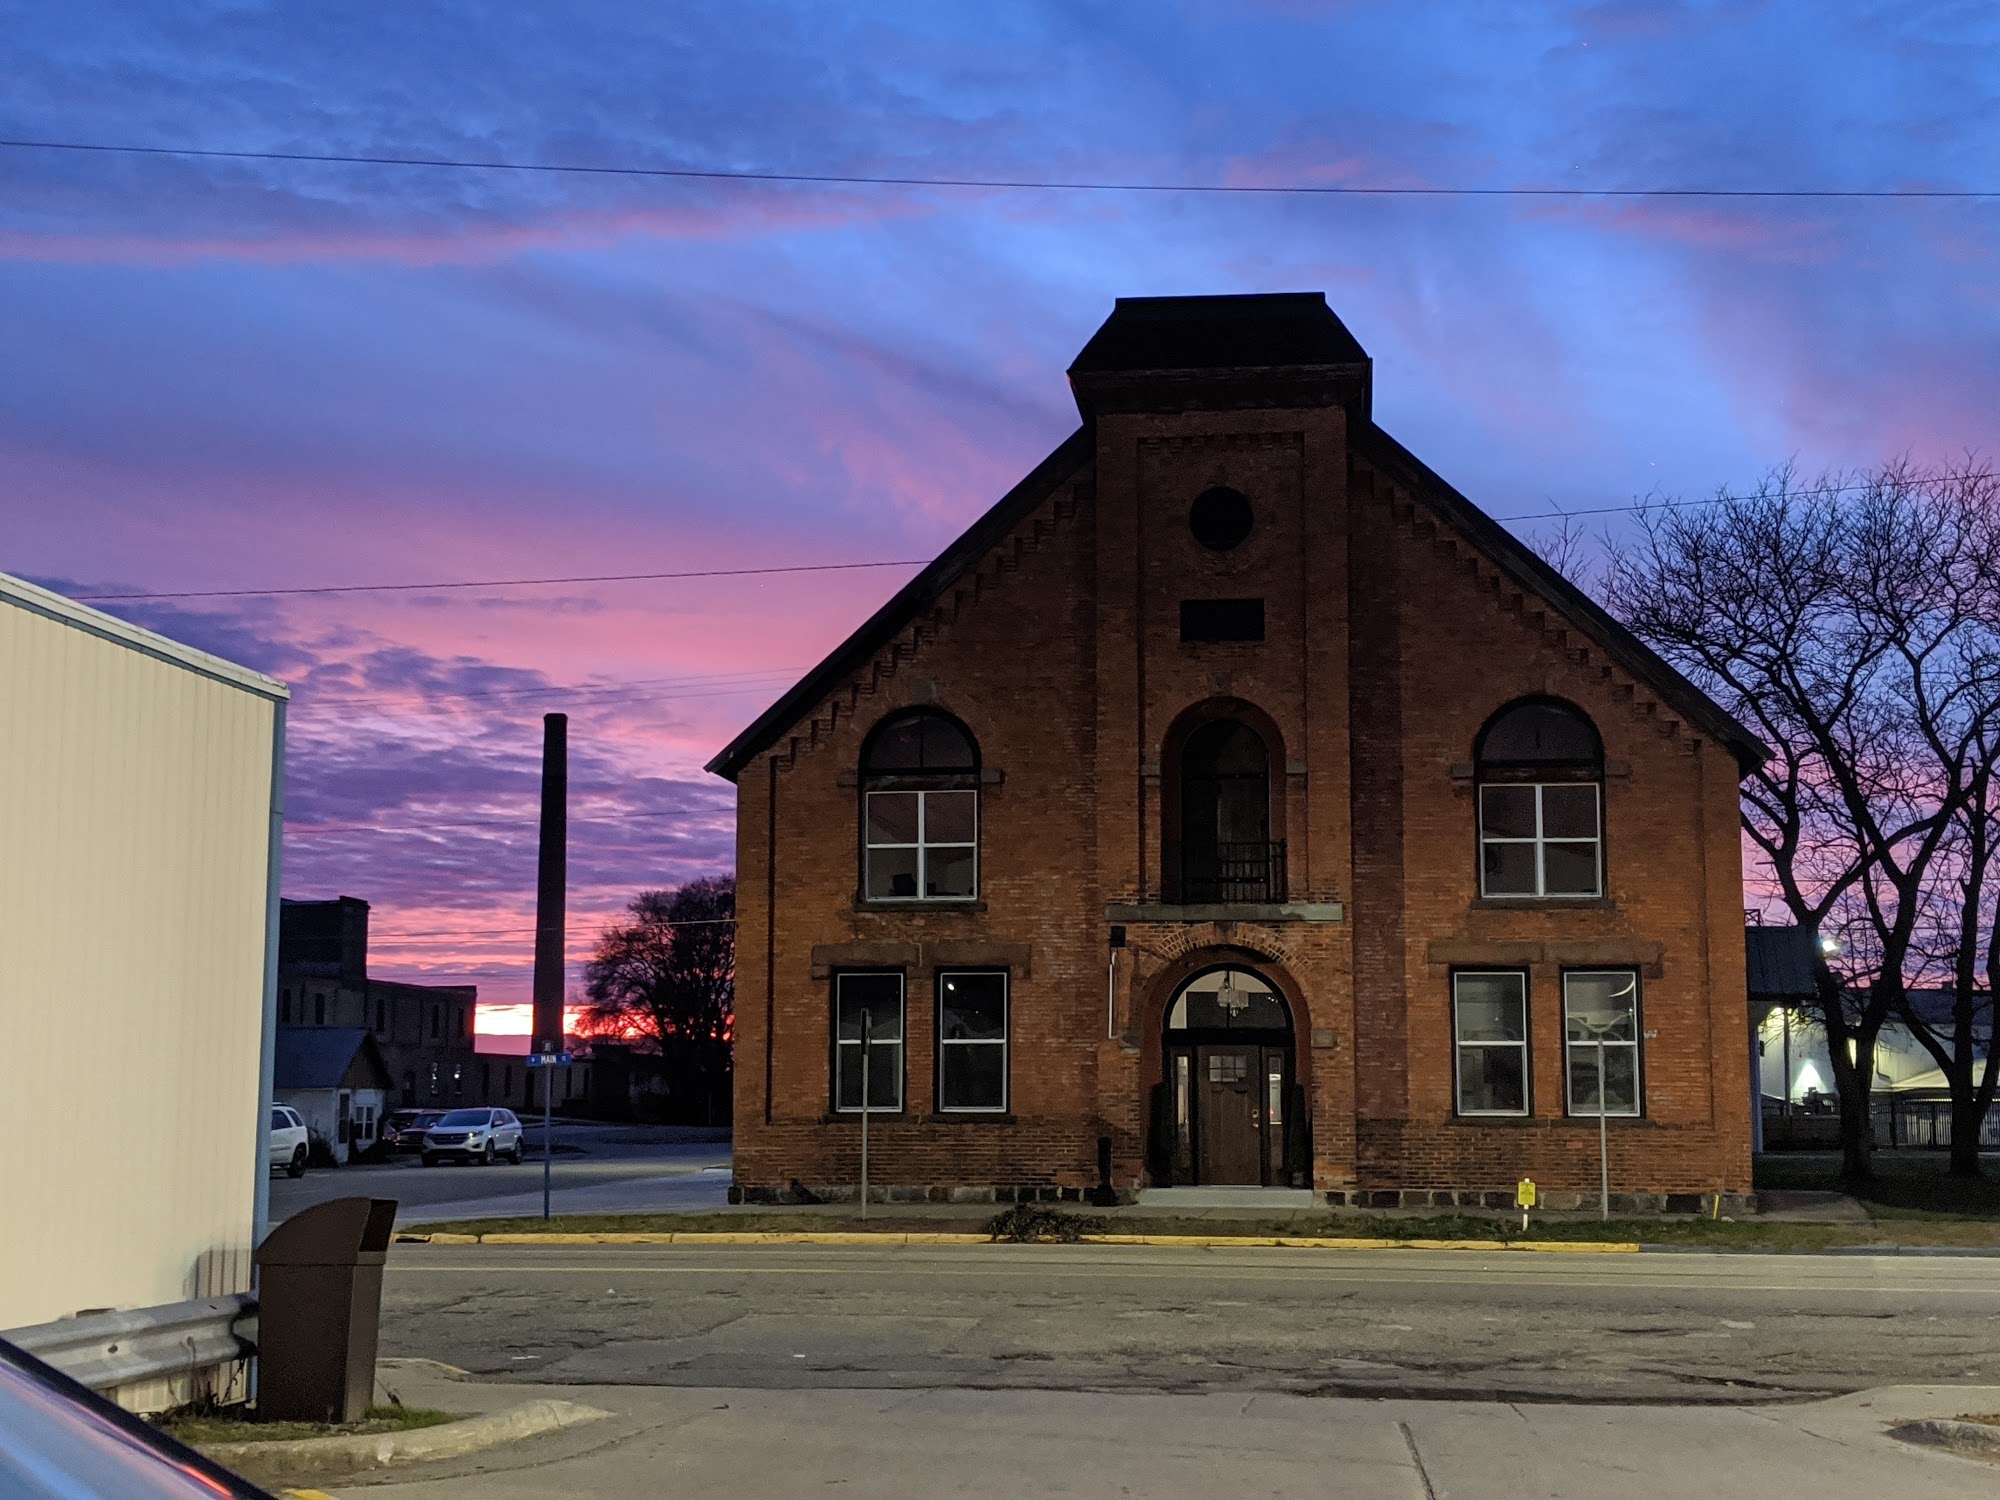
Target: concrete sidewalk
<point x="753" y="1443"/>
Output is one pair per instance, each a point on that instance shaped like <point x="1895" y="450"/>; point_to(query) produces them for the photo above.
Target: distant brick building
<point x="1236" y="803"/>
<point x="427" y="1034"/>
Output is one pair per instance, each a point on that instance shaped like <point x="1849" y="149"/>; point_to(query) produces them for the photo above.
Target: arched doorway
<point x="1230" y="1092"/>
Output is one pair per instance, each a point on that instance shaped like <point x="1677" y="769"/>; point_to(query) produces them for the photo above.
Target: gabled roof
<point x="1292" y="332"/>
<point x="320" y="1057"/>
<point x="1520" y="563"/>
<point x="916" y="596"/>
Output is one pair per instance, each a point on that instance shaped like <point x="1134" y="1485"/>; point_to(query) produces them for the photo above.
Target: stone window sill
<point x="920" y="908"/>
<point x="1544" y="903"/>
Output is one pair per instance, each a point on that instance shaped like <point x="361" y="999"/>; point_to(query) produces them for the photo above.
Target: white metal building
<point x="140" y="812"/>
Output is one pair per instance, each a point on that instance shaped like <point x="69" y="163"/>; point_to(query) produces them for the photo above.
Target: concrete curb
<point x="368" y="1450"/>
<point x="1182" y="1241"/>
<point x="1974" y="1439"/>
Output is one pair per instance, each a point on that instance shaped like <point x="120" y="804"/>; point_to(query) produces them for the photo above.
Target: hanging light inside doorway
<point x="1232" y="1003"/>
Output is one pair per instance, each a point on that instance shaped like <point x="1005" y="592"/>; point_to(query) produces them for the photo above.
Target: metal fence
<point x="179" y="1351"/>
<point x="1253" y="872"/>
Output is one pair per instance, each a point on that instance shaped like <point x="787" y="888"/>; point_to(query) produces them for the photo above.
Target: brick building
<point x="1235" y="803"/>
<point x="427" y="1034"/>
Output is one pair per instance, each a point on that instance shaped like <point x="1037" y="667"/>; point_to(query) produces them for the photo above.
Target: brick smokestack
<point x="551" y="881"/>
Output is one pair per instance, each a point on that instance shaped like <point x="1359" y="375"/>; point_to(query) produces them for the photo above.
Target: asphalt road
<point x="1576" y="1327"/>
<point x="603" y="1170"/>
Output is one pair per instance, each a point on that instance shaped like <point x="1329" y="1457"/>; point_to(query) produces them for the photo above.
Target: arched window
<point x="1541" y="819"/>
<point x="920" y="810"/>
<point x="1226" y="851"/>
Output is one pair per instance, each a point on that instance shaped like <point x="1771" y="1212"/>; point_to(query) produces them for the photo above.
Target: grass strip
<point x="224" y="1427"/>
<point x="1886" y="1232"/>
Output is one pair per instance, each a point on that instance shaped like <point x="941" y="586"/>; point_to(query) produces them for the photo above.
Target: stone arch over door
<point x="1249" y="952"/>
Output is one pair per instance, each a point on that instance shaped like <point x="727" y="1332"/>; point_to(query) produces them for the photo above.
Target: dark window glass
<point x="880" y="998"/>
<point x="972" y="1041"/>
<point x="1490" y="1026"/>
<point x="1220" y="518"/>
<point x="920" y="741"/>
<point x="1222" y="619"/>
<point x="1539" y="734"/>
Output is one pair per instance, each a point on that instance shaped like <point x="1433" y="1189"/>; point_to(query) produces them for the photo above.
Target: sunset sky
<point x="240" y="375"/>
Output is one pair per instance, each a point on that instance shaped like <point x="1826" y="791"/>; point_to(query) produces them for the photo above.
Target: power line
<point x="750" y="678"/>
<point x="495" y="583"/>
<point x="525" y="823"/>
<point x="607" y="693"/>
<point x="1035" y="184"/>
<point x="905" y="562"/>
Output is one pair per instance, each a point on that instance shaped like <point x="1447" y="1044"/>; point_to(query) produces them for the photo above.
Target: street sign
<point x="548" y="1059"/>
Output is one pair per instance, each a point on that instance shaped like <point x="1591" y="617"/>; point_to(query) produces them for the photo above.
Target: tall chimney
<point x="551" y="879"/>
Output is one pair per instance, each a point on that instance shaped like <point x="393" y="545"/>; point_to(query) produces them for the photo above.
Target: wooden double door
<point x="1233" y="1100"/>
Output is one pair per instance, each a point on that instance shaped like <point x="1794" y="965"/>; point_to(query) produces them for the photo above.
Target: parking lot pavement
<point x="749" y="1444"/>
<point x="1515" y="1326"/>
<point x="596" y="1169"/>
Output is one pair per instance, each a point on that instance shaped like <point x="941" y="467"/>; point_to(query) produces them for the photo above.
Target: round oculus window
<point x="1220" y="518"/>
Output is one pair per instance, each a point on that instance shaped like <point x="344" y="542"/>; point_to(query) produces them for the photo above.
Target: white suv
<point x="481" y="1135"/>
<point x="288" y="1140"/>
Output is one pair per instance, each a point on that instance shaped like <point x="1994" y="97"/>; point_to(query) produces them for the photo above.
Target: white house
<point x="334" y="1076"/>
<point x="139" y="833"/>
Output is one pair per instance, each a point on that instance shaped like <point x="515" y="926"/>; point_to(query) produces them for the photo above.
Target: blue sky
<point x="254" y="375"/>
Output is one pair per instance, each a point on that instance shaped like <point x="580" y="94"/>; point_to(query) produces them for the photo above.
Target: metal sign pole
<point x="1603" y="1148"/>
<point x="548" y="1122"/>
<point x="866" y="1046"/>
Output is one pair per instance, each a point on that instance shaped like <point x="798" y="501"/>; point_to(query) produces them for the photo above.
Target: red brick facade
<point x="1397" y="622"/>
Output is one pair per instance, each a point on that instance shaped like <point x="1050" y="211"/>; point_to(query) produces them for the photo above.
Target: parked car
<point x="403" y="1130"/>
<point x="61" y="1440"/>
<point x="289" y="1140"/>
<point x="481" y="1135"/>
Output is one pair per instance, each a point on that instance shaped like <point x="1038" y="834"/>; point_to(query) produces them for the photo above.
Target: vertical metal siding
<point x="136" y="794"/>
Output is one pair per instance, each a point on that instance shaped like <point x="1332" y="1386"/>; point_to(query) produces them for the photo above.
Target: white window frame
<point x="1589" y="1049"/>
<point x="1459" y="1047"/>
<point x="922" y="845"/>
<point x="1540" y="840"/>
<point x="877" y="1046"/>
<point x="1005" y="1042"/>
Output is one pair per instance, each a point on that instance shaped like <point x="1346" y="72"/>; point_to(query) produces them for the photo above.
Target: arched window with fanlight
<point x="920" y="810"/>
<point x="1541" y="802"/>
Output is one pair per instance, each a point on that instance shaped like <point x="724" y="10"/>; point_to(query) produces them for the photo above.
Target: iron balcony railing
<point x="1221" y="874"/>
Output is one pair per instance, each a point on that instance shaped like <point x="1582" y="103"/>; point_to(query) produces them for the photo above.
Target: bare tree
<point x="1853" y="625"/>
<point x="667" y="975"/>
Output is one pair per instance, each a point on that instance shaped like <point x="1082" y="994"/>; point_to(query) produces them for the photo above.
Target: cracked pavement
<point x="1595" y="1328"/>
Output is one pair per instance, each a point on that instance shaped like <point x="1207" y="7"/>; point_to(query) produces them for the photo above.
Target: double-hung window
<point x="868" y="1012"/>
<point x="1490" y="1041"/>
<point x="1541" y="805"/>
<point x="920" y="810"/>
<point x="972" y="1041"/>
<point x="1539" y="840"/>
<point x="1601" y="1037"/>
<point x="923" y="845"/>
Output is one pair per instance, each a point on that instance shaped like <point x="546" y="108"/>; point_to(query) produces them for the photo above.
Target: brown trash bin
<point x="319" y="1308"/>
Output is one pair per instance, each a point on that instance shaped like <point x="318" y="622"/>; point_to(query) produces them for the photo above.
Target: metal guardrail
<point x="107" y="1351"/>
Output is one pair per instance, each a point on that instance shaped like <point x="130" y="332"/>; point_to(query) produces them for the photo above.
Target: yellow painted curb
<point x="1182" y="1241"/>
<point x="1324" y="1242"/>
